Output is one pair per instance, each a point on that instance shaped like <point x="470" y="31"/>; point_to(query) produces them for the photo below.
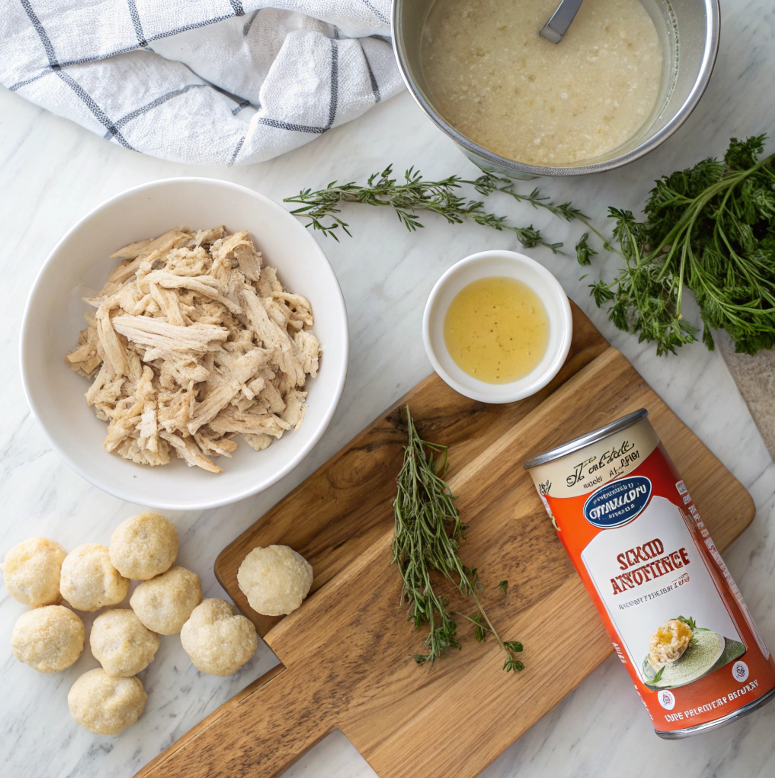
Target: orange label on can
<point x="676" y="618"/>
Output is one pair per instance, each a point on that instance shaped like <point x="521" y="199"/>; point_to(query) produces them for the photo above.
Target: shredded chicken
<point x="193" y="342"/>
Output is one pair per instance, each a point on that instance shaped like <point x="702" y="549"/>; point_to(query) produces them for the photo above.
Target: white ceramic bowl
<point x="79" y="265"/>
<point x="511" y="265"/>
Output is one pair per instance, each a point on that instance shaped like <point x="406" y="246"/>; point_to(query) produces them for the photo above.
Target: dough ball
<point x="48" y="639"/>
<point x="105" y="704"/>
<point x="121" y="644"/>
<point x="144" y="546"/>
<point x="31" y="572"/>
<point x="217" y="641"/>
<point x="275" y="579"/>
<point x="164" y="603"/>
<point x="89" y="580"/>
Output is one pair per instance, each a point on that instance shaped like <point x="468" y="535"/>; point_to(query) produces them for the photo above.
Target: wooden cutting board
<point x="347" y="652"/>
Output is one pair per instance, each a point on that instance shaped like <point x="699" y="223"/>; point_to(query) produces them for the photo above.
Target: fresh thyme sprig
<point x="426" y="540"/>
<point x="709" y="229"/>
<point x="416" y="194"/>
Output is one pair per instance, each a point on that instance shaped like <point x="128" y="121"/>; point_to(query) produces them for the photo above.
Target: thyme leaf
<point x="426" y="541"/>
<point x="584" y="252"/>
<point x="480" y="631"/>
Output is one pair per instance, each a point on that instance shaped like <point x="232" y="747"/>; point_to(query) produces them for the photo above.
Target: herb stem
<point x="418" y="194"/>
<point x="709" y="230"/>
<point x="426" y="539"/>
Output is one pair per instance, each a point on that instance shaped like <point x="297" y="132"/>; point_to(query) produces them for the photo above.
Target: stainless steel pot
<point x="689" y="30"/>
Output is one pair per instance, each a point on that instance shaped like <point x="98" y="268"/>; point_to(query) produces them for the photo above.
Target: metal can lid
<point x="585" y="440"/>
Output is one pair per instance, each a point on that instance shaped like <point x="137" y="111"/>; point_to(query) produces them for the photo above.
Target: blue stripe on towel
<point x="276" y="123"/>
<point x="44" y="39"/>
<point x="236" y="150"/>
<point x="334" y="84"/>
<point x="94" y="108"/>
<point x="158" y="101"/>
<point x="372" y="78"/>
<point x="136" y="22"/>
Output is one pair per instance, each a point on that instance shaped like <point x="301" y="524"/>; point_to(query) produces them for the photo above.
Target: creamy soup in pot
<point x="494" y="79"/>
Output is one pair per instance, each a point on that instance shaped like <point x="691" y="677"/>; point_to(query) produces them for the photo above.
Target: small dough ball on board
<point x="48" y="639"/>
<point x="89" y="580"/>
<point x="31" y="572"/>
<point x="106" y="704"/>
<point x="217" y="641"/>
<point x="121" y="644"/>
<point x="144" y="546"/>
<point x="164" y="603"/>
<point x="275" y="579"/>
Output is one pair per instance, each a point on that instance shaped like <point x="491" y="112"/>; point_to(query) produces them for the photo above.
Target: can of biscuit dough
<point x="677" y="620"/>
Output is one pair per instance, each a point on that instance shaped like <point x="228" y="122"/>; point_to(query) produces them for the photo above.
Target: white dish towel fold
<point x="213" y="82"/>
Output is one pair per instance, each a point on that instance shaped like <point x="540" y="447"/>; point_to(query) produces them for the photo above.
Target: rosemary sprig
<point x="416" y="194"/>
<point x="426" y="540"/>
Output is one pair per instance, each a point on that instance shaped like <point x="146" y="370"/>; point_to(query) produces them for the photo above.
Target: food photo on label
<point x="375" y="402"/>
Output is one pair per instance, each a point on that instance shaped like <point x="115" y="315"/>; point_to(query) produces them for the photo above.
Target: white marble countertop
<point x="52" y="172"/>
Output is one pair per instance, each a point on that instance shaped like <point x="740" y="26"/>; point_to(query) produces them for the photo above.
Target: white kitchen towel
<point x="214" y="82"/>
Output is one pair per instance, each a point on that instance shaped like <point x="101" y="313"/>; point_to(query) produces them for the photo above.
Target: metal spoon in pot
<point x="561" y="19"/>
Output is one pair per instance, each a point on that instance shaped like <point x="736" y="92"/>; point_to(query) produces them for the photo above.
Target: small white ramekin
<point x="485" y="265"/>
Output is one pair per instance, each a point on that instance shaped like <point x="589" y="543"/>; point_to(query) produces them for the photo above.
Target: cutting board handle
<point x="261" y="732"/>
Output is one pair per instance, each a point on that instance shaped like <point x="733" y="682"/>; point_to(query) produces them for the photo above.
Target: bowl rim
<point x="555" y="289"/>
<point x="126" y="493"/>
<point x="524" y="170"/>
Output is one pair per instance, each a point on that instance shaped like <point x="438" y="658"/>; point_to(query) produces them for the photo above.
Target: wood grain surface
<point x="347" y="652"/>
